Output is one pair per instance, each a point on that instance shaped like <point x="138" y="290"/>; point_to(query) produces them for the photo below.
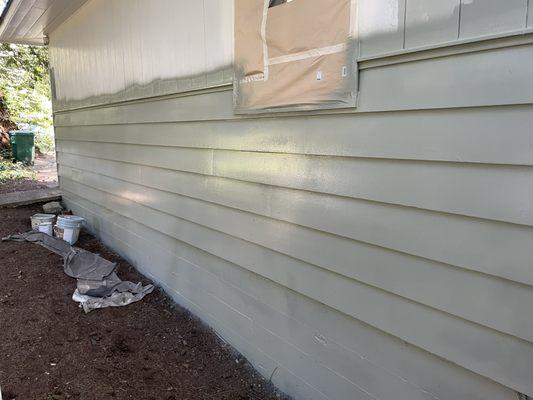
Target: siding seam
<point x="459" y="18"/>
<point x="436" y="310"/>
<point x="295" y="153"/>
<point x="372" y="285"/>
<point x="172" y="290"/>
<point x="356" y="198"/>
<point x="303" y="324"/>
<point x="504" y="381"/>
<point x="404" y="41"/>
<point x="451" y="49"/>
<point x="528" y="8"/>
<point x="323" y="113"/>
<point x="382" y="247"/>
<point x="352" y="349"/>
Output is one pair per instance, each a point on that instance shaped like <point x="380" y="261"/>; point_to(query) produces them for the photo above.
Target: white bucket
<point x="37" y="219"/>
<point x="71" y="226"/>
<point x="46" y="227"/>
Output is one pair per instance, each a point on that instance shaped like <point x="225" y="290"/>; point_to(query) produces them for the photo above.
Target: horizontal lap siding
<point x="498" y="77"/>
<point x="377" y="179"/>
<point x="411" y="215"/>
<point x="388" y="135"/>
<point x="407" y="229"/>
<point x="391" y="26"/>
<point x="374" y="360"/>
<point x="445" y="287"/>
<point x="395" y="271"/>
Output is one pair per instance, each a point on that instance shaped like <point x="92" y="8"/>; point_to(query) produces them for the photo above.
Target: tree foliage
<point x="24" y="85"/>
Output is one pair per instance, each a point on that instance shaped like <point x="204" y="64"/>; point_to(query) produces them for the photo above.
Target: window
<point x="274" y="3"/>
<point x="297" y="57"/>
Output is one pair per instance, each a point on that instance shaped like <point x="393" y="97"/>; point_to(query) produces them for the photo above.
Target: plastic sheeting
<point x="297" y="55"/>
<point x="98" y="284"/>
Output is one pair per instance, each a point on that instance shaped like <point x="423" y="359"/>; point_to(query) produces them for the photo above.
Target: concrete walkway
<point x="16" y="199"/>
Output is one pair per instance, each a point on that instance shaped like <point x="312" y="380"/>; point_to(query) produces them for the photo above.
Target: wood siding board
<point x="530" y="14"/>
<point x="185" y="159"/>
<point x="381" y="26"/>
<point x="393" y="182"/>
<point x="387" y="135"/>
<point x="474" y="192"/>
<point x="188" y="295"/>
<point x="427" y="84"/>
<point x="504" y="245"/>
<point x="429" y="22"/>
<point x="379" y="252"/>
<point x="463" y="81"/>
<point x="192" y="108"/>
<point x="409" y="363"/>
<point x="448" y="289"/>
<point x="204" y="290"/>
<point x="488" y="17"/>
<point x="152" y="66"/>
<point x="461" y="342"/>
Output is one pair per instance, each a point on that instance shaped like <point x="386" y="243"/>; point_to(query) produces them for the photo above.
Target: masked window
<point x="296" y="57"/>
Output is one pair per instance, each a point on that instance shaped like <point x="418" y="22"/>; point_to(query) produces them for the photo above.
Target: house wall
<point x="382" y="252"/>
<point x="133" y="50"/>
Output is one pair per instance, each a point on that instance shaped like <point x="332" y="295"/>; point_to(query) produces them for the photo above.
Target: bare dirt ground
<point x="45" y="168"/>
<point x="51" y="350"/>
<point x="21" y="186"/>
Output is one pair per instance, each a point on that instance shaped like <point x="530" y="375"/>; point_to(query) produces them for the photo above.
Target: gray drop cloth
<point x="98" y="284"/>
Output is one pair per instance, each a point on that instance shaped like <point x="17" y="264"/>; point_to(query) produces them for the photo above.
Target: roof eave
<point x="4" y="12"/>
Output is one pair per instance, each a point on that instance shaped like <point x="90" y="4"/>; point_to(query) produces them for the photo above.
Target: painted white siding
<point x="382" y="252"/>
<point x="137" y="42"/>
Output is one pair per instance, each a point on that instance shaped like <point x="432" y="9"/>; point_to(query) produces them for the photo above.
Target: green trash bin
<point x="23" y="146"/>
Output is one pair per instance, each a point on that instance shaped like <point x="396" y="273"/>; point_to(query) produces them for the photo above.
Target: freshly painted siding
<point x="376" y="253"/>
<point x="529" y="16"/>
<point x="429" y="22"/>
<point x="321" y="332"/>
<point x="392" y="26"/>
<point x="381" y="26"/>
<point x="489" y="17"/>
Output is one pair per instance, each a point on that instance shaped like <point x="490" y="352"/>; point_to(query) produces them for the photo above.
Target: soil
<point x="21" y="186"/>
<point x="153" y="349"/>
<point x="46" y="170"/>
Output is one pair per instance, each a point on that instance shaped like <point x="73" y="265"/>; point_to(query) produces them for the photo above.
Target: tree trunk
<point x="5" y="125"/>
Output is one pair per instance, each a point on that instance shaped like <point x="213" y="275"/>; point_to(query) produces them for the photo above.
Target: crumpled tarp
<point x="98" y="284"/>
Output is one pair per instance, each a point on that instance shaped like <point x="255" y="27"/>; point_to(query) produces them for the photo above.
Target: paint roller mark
<point x="321" y="339"/>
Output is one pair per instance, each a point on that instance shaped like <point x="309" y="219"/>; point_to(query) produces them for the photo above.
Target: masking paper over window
<point x="295" y="56"/>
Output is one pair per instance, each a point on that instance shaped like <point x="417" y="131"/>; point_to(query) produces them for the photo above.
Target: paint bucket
<point x="71" y="226"/>
<point x="58" y="232"/>
<point x="46" y="227"/>
<point x="37" y="219"/>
